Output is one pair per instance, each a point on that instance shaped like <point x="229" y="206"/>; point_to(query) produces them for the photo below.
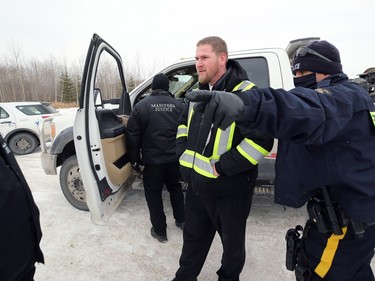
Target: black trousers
<point x="154" y="179"/>
<point x="28" y="276"/>
<point x="19" y="223"/>
<point x="339" y="257"/>
<point x="204" y="217"/>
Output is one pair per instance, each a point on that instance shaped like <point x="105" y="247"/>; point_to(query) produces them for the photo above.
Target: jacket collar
<point x="234" y="75"/>
<point x="332" y="80"/>
<point x="159" y="92"/>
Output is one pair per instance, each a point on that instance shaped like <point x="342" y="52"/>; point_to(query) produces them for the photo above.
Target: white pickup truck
<point x="100" y="178"/>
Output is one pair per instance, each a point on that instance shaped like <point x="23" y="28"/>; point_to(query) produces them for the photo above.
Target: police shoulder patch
<point x="323" y="91"/>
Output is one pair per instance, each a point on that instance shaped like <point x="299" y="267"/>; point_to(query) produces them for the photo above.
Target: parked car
<point x="19" y="124"/>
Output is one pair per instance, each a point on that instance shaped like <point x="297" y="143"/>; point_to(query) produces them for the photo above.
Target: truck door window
<point x="180" y="82"/>
<point x="257" y="70"/>
<point x="108" y="82"/>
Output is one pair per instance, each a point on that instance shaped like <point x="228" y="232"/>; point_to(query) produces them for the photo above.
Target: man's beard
<point x="203" y="79"/>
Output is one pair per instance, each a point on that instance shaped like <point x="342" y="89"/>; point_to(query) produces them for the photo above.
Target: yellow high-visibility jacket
<point x="235" y="152"/>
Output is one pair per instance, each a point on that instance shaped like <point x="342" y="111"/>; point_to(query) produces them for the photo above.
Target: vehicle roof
<point x="21" y="103"/>
<point x="183" y="62"/>
<point x="235" y="54"/>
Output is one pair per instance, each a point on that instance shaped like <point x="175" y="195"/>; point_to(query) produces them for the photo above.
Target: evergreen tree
<point x="67" y="89"/>
<point x="131" y="83"/>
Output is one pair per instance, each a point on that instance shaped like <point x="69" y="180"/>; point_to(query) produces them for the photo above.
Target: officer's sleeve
<point x="182" y="131"/>
<point x="134" y="136"/>
<point x="247" y="154"/>
<point x="301" y="114"/>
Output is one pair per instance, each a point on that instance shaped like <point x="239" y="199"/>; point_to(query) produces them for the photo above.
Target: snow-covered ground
<point x="123" y="250"/>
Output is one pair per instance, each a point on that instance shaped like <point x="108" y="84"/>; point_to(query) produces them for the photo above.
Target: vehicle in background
<point x="367" y="81"/>
<point x="19" y="124"/>
<point x="265" y="67"/>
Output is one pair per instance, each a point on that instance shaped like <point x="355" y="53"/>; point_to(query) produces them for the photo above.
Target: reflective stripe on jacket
<point x="213" y="143"/>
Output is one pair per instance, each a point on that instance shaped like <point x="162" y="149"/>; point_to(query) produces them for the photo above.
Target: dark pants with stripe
<point x="339" y="257"/>
<point x="204" y="217"/>
<point x="154" y="179"/>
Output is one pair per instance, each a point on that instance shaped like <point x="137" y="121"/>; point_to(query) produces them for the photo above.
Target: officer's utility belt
<point x="295" y="259"/>
<point x="329" y="217"/>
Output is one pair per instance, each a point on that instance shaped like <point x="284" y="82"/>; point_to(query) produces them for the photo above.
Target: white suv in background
<point x="19" y="124"/>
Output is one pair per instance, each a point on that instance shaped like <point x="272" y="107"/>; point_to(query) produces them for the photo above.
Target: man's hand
<point x="222" y="108"/>
<point x="214" y="170"/>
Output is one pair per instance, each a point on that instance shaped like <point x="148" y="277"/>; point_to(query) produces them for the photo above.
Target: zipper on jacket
<point x="195" y="151"/>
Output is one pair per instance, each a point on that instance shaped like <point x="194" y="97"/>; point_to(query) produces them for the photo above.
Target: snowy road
<point x="123" y="250"/>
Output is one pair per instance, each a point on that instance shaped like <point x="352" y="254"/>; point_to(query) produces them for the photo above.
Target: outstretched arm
<point x="222" y="108"/>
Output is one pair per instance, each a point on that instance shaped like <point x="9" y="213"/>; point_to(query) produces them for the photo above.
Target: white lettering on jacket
<point x="162" y="106"/>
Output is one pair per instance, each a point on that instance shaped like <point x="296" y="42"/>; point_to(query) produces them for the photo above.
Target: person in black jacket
<point x="151" y="132"/>
<point x="326" y="158"/>
<point x="220" y="167"/>
<point x="20" y="233"/>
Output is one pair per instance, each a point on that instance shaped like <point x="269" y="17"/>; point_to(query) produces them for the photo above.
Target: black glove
<point x="200" y="107"/>
<point x="222" y="108"/>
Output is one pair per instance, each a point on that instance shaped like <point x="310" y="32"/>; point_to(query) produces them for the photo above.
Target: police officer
<point x="326" y="157"/>
<point x="220" y="167"/>
<point x="20" y="227"/>
<point x="151" y="131"/>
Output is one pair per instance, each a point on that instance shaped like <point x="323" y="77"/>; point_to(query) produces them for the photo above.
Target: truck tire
<point x="71" y="184"/>
<point x="23" y="143"/>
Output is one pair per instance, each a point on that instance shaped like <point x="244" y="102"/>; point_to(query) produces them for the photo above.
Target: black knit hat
<point x="319" y="57"/>
<point x="160" y="82"/>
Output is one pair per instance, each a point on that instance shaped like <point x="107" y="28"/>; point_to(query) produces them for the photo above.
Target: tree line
<point x="49" y="80"/>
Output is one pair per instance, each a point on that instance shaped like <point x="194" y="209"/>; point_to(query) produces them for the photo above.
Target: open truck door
<point x="99" y="132"/>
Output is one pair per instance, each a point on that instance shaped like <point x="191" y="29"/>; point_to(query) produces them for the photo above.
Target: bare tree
<point x="76" y="75"/>
<point x="2" y="79"/>
<point x="36" y="79"/>
<point x="34" y="75"/>
<point x="134" y="74"/>
<point x="16" y="55"/>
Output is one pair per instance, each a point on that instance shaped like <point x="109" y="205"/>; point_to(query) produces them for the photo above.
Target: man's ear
<point x="223" y="59"/>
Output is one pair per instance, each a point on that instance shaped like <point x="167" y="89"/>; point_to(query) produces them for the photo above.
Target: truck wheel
<point x="71" y="184"/>
<point x="22" y="143"/>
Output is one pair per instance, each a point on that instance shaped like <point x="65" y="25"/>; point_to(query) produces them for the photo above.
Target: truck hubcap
<point x="22" y="143"/>
<point x="75" y="184"/>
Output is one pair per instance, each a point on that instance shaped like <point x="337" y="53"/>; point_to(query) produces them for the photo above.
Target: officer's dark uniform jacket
<point x="326" y="138"/>
<point x="235" y="151"/>
<point x="152" y="127"/>
<point x="20" y="227"/>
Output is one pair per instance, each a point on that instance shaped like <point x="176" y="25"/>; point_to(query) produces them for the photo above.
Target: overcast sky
<point x="157" y="32"/>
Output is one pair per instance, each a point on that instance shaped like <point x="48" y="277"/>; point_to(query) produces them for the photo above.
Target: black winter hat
<point x="319" y="57"/>
<point x="160" y="82"/>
